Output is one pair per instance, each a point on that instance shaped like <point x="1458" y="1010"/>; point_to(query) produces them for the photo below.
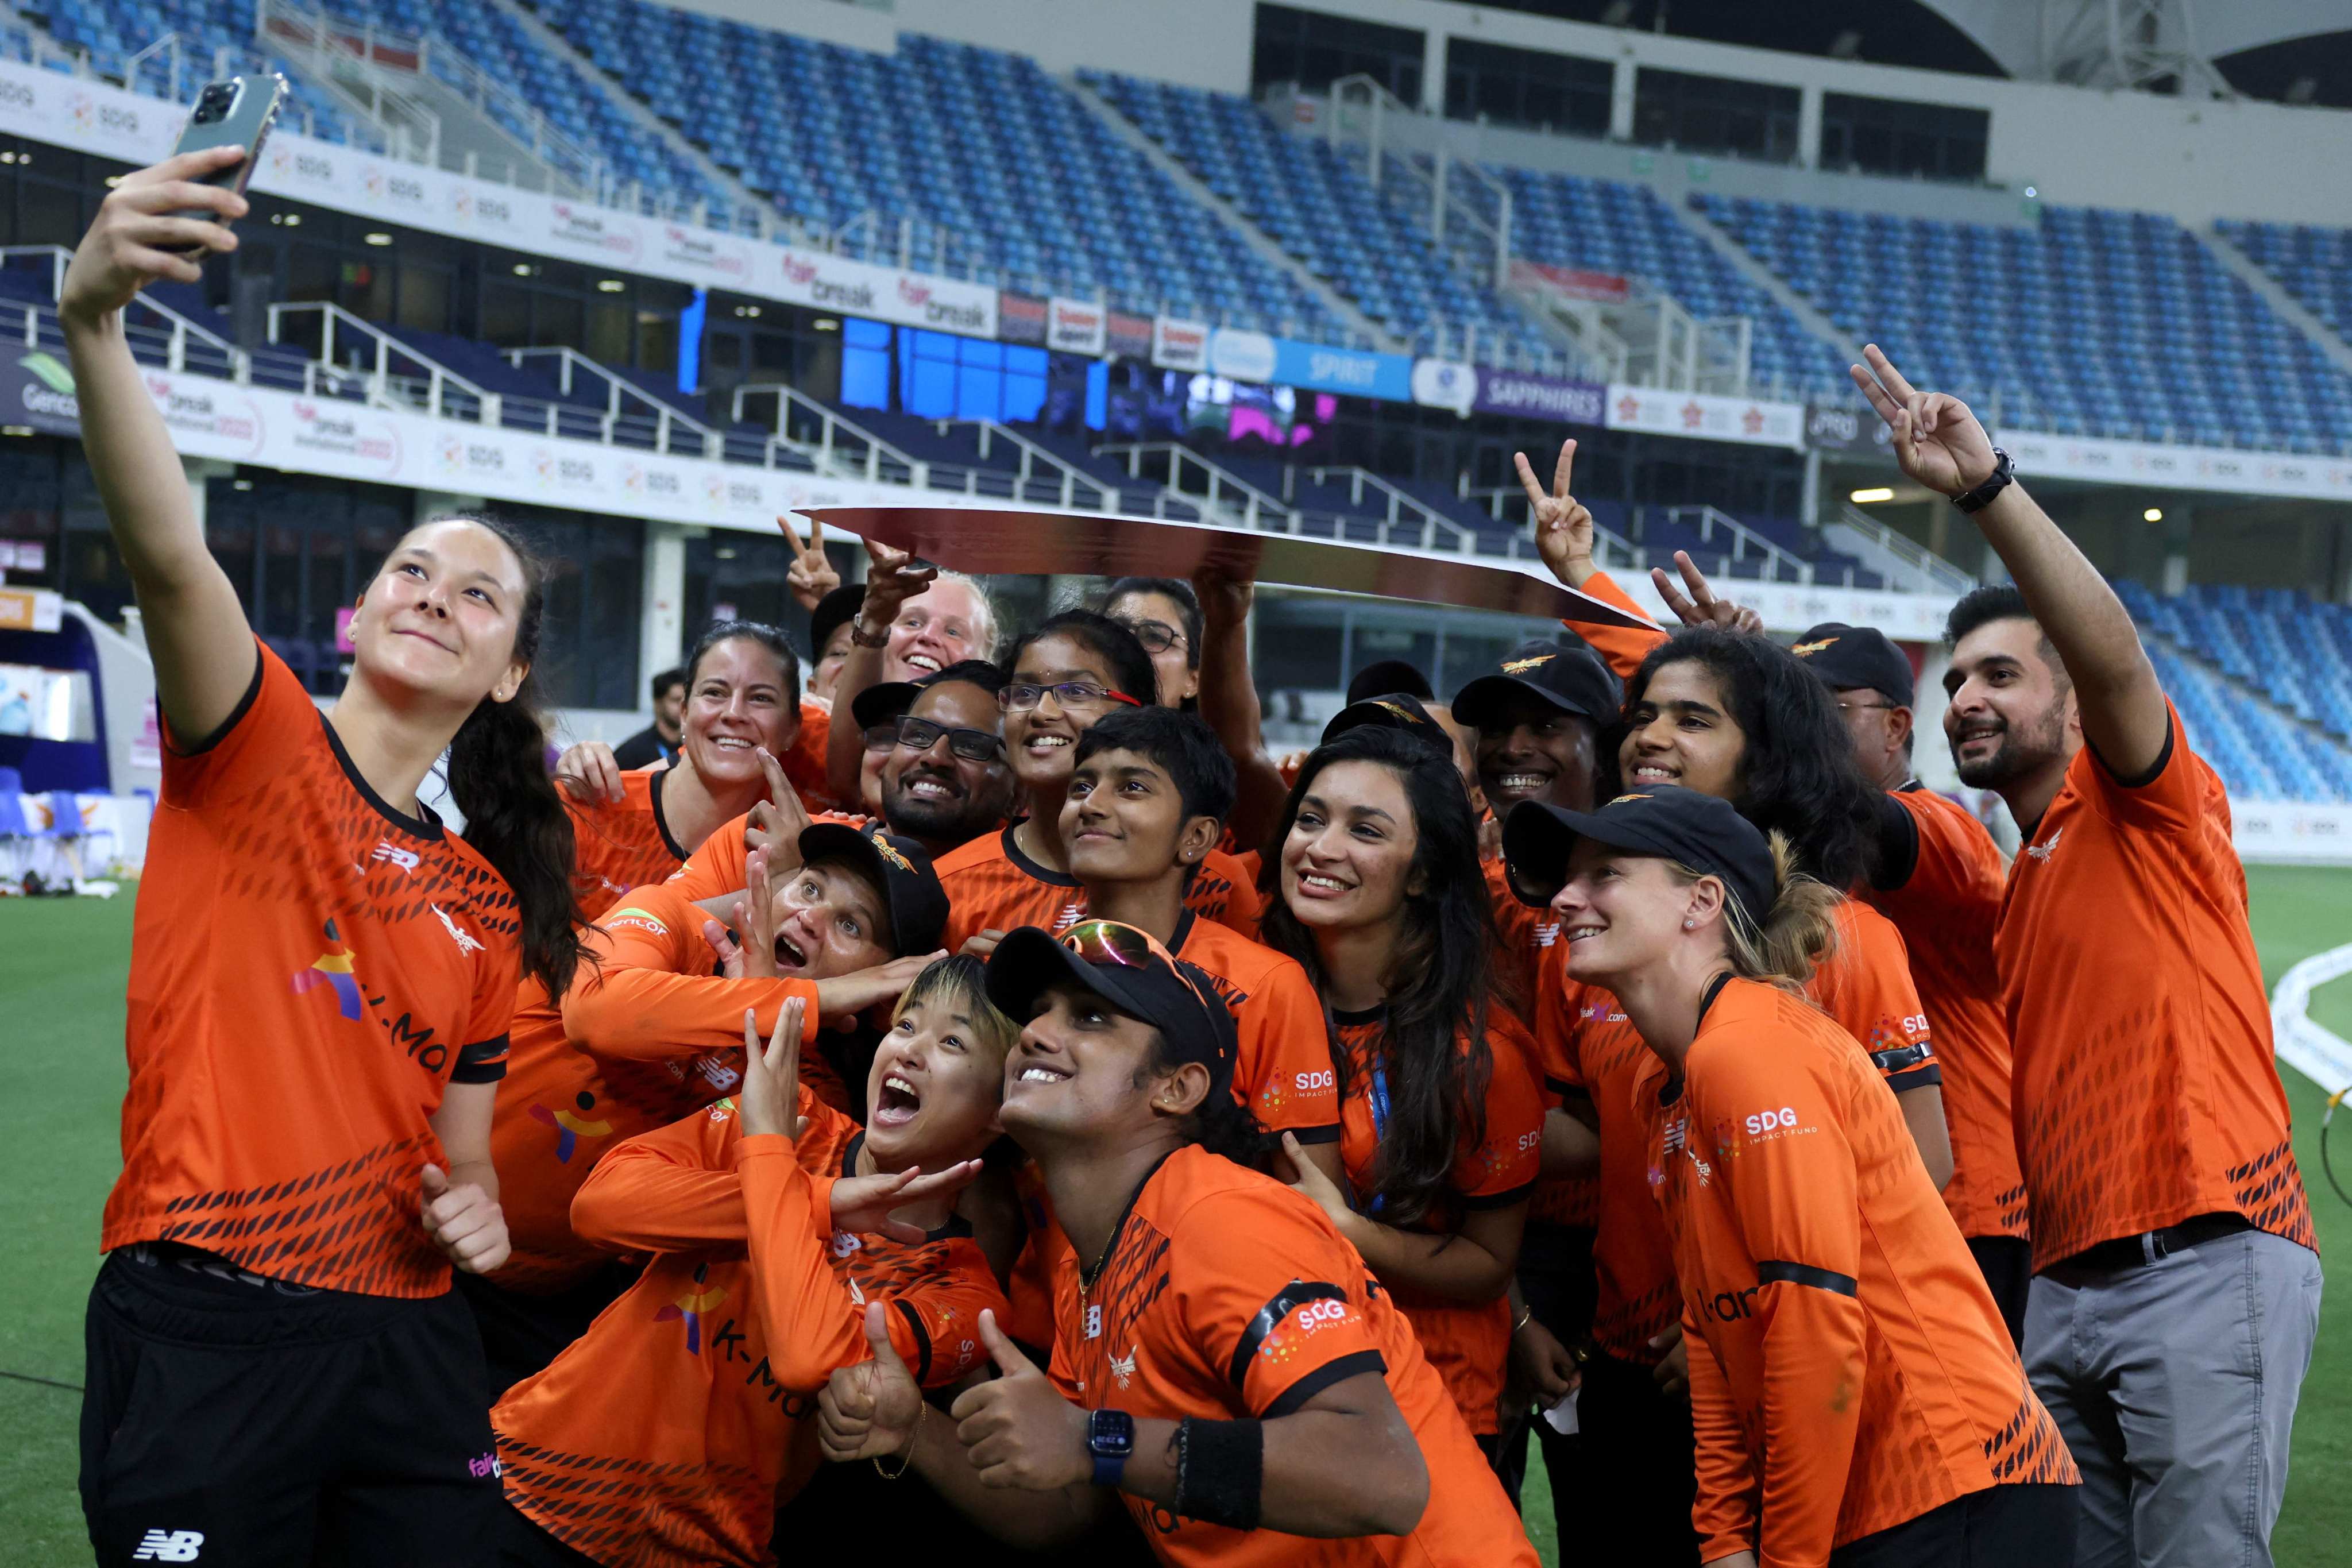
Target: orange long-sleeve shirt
<point x="648" y="1033"/>
<point x="668" y="1434"/>
<point x="1850" y="1371"/>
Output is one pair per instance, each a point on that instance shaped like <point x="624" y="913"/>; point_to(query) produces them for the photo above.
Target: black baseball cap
<point x="1386" y="675"/>
<point x="1127" y="968"/>
<point x="887" y="700"/>
<point x="1391" y="711"/>
<point x="1696" y="830"/>
<point x="1573" y="679"/>
<point x="913" y="902"/>
<point x="836" y="608"/>
<point x="1850" y="658"/>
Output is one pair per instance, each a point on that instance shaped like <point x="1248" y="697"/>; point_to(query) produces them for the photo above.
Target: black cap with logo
<point x="1856" y="658"/>
<point x="913" y="902"/>
<point x="887" y="700"/>
<point x="1386" y="675"/>
<point x="1391" y="711"/>
<point x="1571" y="679"/>
<point x="1129" y="969"/>
<point x="832" y="612"/>
<point x="1680" y="824"/>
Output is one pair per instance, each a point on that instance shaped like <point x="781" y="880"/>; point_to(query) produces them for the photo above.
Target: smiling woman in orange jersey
<point x="742" y="720"/>
<point x="1383" y="903"/>
<point x="322" y="981"/>
<point x="697" y="1385"/>
<point x="1855" y="1393"/>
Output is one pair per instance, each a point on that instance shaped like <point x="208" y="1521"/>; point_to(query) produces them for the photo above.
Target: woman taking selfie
<point x="321" y="984"/>
<point x="1382" y="900"/>
<point x="1812" y="1251"/>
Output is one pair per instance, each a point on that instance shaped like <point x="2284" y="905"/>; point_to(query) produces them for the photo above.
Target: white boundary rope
<point x="2319" y="1054"/>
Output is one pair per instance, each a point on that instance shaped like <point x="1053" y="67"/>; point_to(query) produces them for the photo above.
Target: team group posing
<point x="981" y="1059"/>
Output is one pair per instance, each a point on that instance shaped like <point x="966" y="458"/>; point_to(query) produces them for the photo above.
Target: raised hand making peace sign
<point x="1937" y="439"/>
<point x="1563" y="523"/>
<point x="811" y="575"/>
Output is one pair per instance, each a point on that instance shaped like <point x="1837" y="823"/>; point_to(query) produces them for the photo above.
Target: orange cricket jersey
<point x="1945" y="911"/>
<point x="1282" y="1075"/>
<point x="1527" y="946"/>
<point x="2144" y="1084"/>
<point x="716" y="869"/>
<point x="992" y="886"/>
<point x="1849" y="1370"/>
<point x="668" y="1435"/>
<point x="1622" y="648"/>
<point x="1225" y="1295"/>
<point x="804" y="761"/>
<point x="1467" y="1344"/>
<point x="1586" y="1042"/>
<point x="308" y="970"/>
<point x="617" y="845"/>
<point x="649" y="1032"/>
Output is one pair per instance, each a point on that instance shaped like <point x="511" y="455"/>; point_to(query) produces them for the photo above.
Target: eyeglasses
<point x="922" y="734"/>
<point x="1021" y="696"/>
<point x="1157" y="637"/>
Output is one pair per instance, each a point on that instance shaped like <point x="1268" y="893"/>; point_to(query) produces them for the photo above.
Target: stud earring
<point x="1690" y="925"/>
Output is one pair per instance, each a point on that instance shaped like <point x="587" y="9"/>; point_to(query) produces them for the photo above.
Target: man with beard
<point x="2175" y="1296"/>
<point x="1946" y="903"/>
<point x="944" y="782"/>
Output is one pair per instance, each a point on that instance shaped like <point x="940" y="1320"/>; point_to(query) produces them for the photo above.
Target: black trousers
<point x="2007" y="1264"/>
<point x="2000" y="1527"/>
<point x="230" y="1421"/>
<point x="522" y="1332"/>
<point x="1555" y="1279"/>
<point x="1640" y="1471"/>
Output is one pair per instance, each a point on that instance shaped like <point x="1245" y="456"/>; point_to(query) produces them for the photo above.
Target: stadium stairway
<point x="2292" y="269"/>
<point x="1232" y="217"/>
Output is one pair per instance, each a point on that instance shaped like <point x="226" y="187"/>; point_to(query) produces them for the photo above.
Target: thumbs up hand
<point x="1018" y="1430"/>
<point x="464" y="1221"/>
<point x="870" y="1410"/>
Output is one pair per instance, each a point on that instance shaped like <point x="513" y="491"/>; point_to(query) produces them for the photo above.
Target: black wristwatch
<point x="2003" y="471"/>
<point x="857" y="633"/>
<point x="1110" y="1439"/>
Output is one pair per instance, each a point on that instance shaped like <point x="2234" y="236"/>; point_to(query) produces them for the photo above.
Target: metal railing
<point x="1226" y="495"/>
<point x="669" y="429"/>
<point x="1900" y="555"/>
<point x="396" y="374"/>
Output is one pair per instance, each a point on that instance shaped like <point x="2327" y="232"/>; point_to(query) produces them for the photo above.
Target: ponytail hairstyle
<point x="498" y="777"/>
<point x="1220" y="1123"/>
<point x="1128" y="665"/>
<point x="1433" y="1048"/>
<point x="1795" y="936"/>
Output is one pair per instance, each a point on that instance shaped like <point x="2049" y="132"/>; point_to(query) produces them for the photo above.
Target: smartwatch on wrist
<point x="2003" y="471"/>
<point x="1110" y="1439"/>
<point x="857" y="634"/>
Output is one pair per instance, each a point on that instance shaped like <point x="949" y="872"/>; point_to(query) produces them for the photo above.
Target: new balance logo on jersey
<point x="406" y="859"/>
<point x="1071" y="915"/>
<point x="169" y="1546"/>
<point x="1547" y="934"/>
<point x="466" y="941"/>
<point x="2041" y="851"/>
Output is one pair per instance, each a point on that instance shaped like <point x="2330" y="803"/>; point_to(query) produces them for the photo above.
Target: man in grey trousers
<point x="2176" y="1293"/>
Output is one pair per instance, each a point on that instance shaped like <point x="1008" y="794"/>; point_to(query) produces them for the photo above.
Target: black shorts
<point x="230" y="1421"/>
<point x="2000" y="1527"/>
<point x="2007" y="1264"/>
<point x="522" y="1332"/>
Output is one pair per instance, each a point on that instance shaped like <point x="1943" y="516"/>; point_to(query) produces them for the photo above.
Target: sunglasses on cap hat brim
<point x="1124" y="966"/>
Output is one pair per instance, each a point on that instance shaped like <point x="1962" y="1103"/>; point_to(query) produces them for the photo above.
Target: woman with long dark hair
<point x="1381" y="898"/>
<point x="321" y="981"/>
<point x="1856" y="1394"/>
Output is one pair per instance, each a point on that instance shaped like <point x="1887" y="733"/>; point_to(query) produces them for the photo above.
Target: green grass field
<point x="62" y="967"/>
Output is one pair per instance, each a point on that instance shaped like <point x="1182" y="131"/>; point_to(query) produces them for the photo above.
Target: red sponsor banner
<point x="1128" y="337"/>
<point x="1574" y="281"/>
<point x="1020" y="319"/>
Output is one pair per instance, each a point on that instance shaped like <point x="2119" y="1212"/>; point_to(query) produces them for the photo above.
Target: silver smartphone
<point x="237" y="112"/>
